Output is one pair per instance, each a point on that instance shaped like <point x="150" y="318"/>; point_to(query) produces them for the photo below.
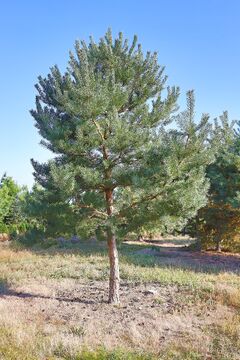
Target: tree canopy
<point x="219" y="222"/>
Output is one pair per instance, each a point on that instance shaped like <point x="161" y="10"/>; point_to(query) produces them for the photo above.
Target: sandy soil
<point x="149" y="314"/>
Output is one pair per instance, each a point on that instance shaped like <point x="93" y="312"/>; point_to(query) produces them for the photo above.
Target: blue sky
<point x="198" y="42"/>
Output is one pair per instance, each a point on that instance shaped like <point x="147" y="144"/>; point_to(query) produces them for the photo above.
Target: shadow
<point x="26" y="295"/>
<point x="7" y="291"/>
<point x="178" y="242"/>
<point x="3" y="286"/>
<point x="151" y="254"/>
<point x="182" y="258"/>
<point x="85" y="248"/>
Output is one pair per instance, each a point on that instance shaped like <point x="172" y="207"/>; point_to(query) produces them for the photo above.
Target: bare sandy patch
<point x="149" y="315"/>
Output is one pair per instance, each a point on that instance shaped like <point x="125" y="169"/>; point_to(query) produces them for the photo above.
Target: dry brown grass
<point x="228" y="295"/>
<point x="53" y="306"/>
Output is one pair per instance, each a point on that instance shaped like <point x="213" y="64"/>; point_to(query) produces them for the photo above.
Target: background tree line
<point x="32" y="215"/>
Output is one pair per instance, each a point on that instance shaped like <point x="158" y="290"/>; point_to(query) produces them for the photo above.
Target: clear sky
<point x="197" y="40"/>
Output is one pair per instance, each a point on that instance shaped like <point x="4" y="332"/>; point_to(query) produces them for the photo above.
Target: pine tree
<point x="10" y="213"/>
<point x="224" y="172"/>
<point x="219" y="221"/>
<point x="117" y="163"/>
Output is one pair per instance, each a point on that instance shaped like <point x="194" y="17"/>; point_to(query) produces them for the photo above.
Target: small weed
<point x="158" y="300"/>
<point x="77" y="331"/>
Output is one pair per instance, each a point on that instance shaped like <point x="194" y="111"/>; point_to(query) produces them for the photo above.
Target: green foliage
<point x="31" y="237"/>
<point x="118" y="164"/>
<point x="47" y="214"/>
<point x="12" y="219"/>
<point x="104" y="354"/>
<point x="224" y="173"/>
<point x="218" y="224"/>
<point x="219" y="227"/>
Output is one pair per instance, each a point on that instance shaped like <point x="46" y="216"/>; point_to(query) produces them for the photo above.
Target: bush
<point x="31" y="237"/>
<point x="219" y="227"/>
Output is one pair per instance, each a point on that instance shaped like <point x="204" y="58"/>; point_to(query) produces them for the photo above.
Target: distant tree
<point x="219" y="222"/>
<point x="117" y="162"/>
<point x="47" y="213"/>
<point x="11" y="195"/>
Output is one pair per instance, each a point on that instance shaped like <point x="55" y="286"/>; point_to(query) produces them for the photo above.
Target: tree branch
<point x="98" y="130"/>
<point x="83" y="206"/>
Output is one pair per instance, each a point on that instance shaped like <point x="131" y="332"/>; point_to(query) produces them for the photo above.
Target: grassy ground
<point x="175" y="304"/>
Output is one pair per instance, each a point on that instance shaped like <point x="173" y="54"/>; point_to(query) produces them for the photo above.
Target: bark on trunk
<point x="218" y="242"/>
<point x="114" y="279"/>
<point x="198" y="237"/>
<point x="140" y="237"/>
<point x="218" y="246"/>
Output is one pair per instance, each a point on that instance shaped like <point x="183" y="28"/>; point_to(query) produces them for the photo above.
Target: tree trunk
<point x="140" y="237"/>
<point x="218" y="245"/>
<point x="198" y="236"/>
<point x="114" y="279"/>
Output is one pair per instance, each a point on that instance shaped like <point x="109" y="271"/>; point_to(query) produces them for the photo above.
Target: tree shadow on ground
<point x="178" y="242"/>
<point x="179" y="258"/>
<point x="7" y="291"/>
<point x="27" y="295"/>
<point x="3" y="286"/>
<point x="152" y="254"/>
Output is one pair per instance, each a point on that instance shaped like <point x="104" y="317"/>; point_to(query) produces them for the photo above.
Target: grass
<point x="226" y="341"/>
<point x="12" y="348"/>
<point x="36" y="347"/>
<point x="88" y="263"/>
<point x="197" y="291"/>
